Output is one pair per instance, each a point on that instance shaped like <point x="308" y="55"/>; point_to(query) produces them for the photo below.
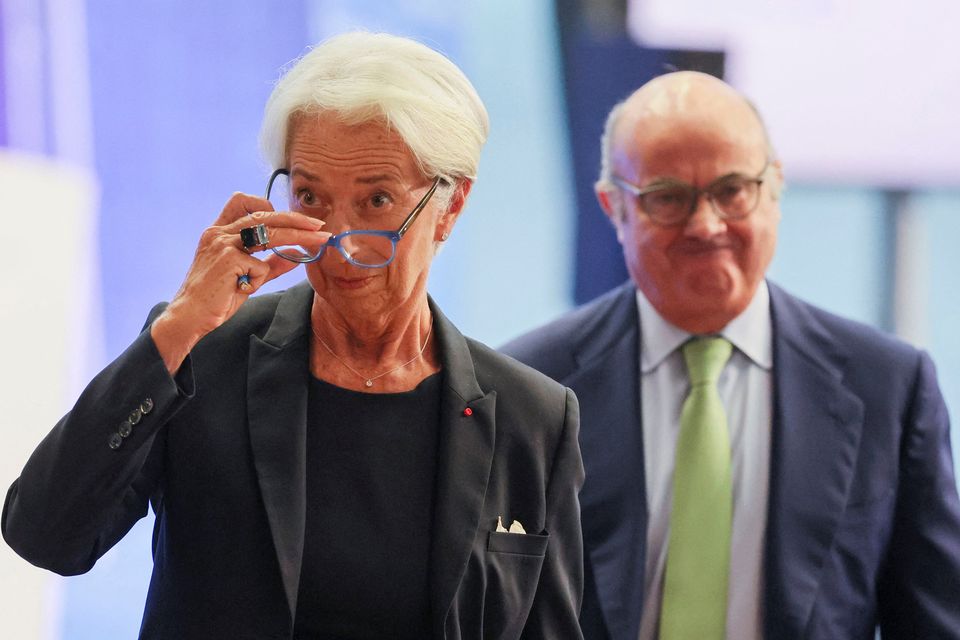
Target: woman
<point x="335" y="460"/>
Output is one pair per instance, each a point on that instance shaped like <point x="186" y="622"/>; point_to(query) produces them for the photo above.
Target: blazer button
<point x="115" y="441"/>
<point x="146" y="406"/>
<point x="125" y="429"/>
<point x="135" y="416"/>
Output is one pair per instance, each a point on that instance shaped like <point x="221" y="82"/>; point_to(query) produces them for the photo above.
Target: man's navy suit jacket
<point x="863" y="521"/>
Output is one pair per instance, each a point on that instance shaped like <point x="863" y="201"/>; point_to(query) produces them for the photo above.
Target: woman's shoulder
<point x="499" y="372"/>
<point x="535" y="412"/>
<point x="288" y="308"/>
<point x="276" y="317"/>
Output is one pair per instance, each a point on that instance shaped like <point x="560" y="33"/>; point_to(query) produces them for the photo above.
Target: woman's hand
<point x="209" y="295"/>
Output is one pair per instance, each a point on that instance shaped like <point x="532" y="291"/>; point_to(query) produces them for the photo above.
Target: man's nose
<point x="704" y="222"/>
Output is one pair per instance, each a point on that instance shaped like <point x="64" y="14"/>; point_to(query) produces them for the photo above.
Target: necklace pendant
<point x="368" y="383"/>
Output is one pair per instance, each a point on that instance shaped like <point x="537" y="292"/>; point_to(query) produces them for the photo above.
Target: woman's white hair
<point x="362" y="76"/>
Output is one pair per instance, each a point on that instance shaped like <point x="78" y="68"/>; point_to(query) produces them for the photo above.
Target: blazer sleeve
<point x="91" y="477"/>
<point x="919" y="592"/>
<point x="556" y="605"/>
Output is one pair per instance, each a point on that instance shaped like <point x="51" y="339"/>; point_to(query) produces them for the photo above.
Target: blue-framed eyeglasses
<point x="367" y="248"/>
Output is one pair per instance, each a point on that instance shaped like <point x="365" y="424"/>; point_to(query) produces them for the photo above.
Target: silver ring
<point x="243" y="282"/>
<point x="255" y="236"/>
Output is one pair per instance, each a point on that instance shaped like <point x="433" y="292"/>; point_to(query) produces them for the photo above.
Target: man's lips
<point x="703" y="248"/>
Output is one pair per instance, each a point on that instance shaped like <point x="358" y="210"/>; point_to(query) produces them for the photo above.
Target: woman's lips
<point x="351" y="283"/>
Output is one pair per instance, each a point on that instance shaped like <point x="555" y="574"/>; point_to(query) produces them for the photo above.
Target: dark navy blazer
<point x="220" y="453"/>
<point x="863" y="518"/>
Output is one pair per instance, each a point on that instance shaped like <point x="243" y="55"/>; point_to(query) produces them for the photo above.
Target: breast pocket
<point x="519" y="543"/>
<point x="513" y="564"/>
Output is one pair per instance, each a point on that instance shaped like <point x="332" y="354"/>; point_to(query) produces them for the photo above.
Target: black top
<point x="371" y="464"/>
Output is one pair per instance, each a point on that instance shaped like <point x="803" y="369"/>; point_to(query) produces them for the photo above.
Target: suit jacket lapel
<point x="816" y="434"/>
<point x="607" y="383"/>
<point x="464" y="459"/>
<point x="277" y="391"/>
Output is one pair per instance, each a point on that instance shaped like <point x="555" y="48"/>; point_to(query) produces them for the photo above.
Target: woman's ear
<point x="457" y="202"/>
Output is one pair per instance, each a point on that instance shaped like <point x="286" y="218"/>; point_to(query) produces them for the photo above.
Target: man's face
<point x="703" y="273"/>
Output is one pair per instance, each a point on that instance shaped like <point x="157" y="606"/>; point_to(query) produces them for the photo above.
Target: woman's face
<point x="360" y="177"/>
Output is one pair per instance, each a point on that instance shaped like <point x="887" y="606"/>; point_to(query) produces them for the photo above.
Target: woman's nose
<point x="337" y="221"/>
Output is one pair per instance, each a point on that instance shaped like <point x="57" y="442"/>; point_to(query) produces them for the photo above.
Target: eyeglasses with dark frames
<point x="367" y="248"/>
<point x="672" y="202"/>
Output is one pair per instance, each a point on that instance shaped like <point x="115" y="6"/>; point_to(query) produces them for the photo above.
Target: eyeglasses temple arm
<point x="274" y="176"/>
<point x="416" y="212"/>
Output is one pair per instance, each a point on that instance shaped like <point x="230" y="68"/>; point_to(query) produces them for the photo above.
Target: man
<point x="806" y="490"/>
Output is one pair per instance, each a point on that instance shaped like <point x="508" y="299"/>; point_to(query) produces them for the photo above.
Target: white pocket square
<point x="515" y="526"/>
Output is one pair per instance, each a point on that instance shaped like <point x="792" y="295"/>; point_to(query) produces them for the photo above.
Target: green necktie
<point x="698" y="555"/>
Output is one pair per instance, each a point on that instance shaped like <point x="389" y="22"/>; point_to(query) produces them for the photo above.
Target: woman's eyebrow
<point x="298" y="171"/>
<point x="380" y="177"/>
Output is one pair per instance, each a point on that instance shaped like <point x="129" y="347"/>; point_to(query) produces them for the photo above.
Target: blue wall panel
<point x="178" y="89"/>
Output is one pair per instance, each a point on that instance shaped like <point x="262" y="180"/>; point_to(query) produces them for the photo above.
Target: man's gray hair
<point x="361" y="76"/>
<point x="605" y="180"/>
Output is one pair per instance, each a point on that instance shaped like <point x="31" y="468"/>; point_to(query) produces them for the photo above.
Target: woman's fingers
<point x="256" y="272"/>
<point x="280" y="228"/>
<point x="240" y="205"/>
<point x="283" y="236"/>
<point x="266" y="270"/>
<point x="244" y="210"/>
<point x="274" y="220"/>
<point x="213" y="290"/>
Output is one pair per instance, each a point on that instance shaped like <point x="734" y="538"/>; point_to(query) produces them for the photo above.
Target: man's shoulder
<point x="860" y="341"/>
<point x="549" y="346"/>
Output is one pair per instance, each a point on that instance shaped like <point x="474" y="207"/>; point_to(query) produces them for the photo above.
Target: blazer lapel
<point x="607" y="383"/>
<point x="816" y="434"/>
<point x="464" y="459"/>
<point x="277" y="390"/>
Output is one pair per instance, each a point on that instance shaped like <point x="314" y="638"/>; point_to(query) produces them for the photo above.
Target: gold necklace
<point x="368" y="382"/>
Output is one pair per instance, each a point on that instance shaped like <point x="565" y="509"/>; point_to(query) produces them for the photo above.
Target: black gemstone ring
<point x="253" y="237"/>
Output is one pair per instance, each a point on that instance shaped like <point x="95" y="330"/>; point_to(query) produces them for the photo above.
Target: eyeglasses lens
<point x="733" y="198"/>
<point x="367" y="249"/>
<point x="668" y="205"/>
<point x="736" y="197"/>
<point x="282" y="199"/>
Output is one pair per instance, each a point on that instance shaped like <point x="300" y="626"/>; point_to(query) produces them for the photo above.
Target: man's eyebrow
<point x="727" y="176"/>
<point x="676" y="182"/>
<point x="666" y="182"/>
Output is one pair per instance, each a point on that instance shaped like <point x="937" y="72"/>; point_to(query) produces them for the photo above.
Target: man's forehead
<point x="688" y="116"/>
<point x="681" y="139"/>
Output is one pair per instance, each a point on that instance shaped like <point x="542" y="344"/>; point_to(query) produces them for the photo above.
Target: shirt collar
<point x="751" y="332"/>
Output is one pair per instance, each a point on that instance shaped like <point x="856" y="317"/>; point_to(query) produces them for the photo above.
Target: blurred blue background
<point x="160" y="102"/>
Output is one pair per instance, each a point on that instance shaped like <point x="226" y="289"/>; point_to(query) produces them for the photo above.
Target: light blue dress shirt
<point x="746" y="387"/>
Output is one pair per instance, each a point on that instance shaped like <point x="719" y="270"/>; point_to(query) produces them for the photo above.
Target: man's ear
<point x="605" y="200"/>
<point x="776" y="184"/>
<point x="612" y="207"/>
<point x="457" y="202"/>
